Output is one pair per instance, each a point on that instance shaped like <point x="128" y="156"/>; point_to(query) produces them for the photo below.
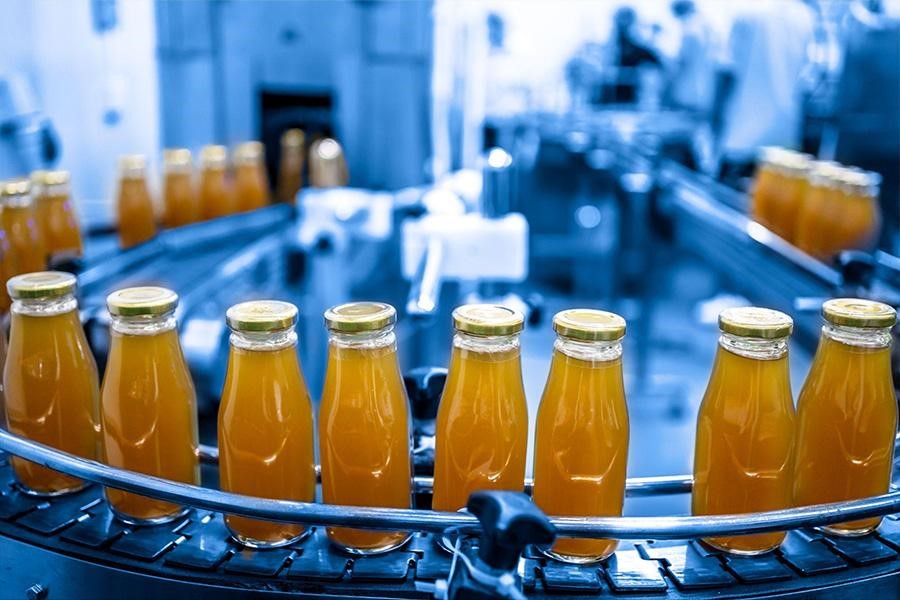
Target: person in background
<point x="692" y="76"/>
<point x="631" y="55"/>
<point x="759" y="93"/>
<point x="867" y="117"/>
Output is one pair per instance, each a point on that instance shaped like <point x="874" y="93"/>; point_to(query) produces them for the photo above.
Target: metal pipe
<point x="434" y="521"/>
<point x="425" y="289"/>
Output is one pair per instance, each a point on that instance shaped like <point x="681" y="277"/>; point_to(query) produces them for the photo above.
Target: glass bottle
<point x="482" y="424"/>
<point x="766" y="186"/>
<point x="265" y="419"/>
<point x="216" y="198"/>
<point x="148" y="406"/>
<point x="327" y="167"/>
<point x="251" y="184"/>
<point x="857" y="221"/>
<point x="794" y="169"/>
<point x="180" y="206"/>
<point x="581" y="441"/>
<point x="364" y="422"/>
<point x="290" y="169"/>
<point x="137" y="220"/>
<point x="814" y="227"/>
<point x="7" y="269"/>
<point x="50" y="379"/>
<point x="56" y="216"/>
<point x="847" y="411"/>
<point x="18" y="216"/>
<point x="745" y="427"/>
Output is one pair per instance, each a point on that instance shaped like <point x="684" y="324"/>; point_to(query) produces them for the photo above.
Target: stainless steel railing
<point x="435" y="521"/>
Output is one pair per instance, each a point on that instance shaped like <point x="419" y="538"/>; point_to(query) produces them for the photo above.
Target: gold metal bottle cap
<point x="176" y="157"/>
<point x="249" y="152"/>
<point x="55" y="178"/>
<point x="487" y="319"/>
<point x="755" y="322"/>
<point x="293" y="138"/>
<point x="137" y="301"/>
<point x="589" y="325"/>
<point x="37" y="178"/>
<point x="856" y="312"/>
<point x="213" y="156"/>
<point x="261" y="315"/>
<point x="133" y="166"/>
<point x="41" y="284"/>
<point x="15" y="187"/>
<point x="360" y="316"/>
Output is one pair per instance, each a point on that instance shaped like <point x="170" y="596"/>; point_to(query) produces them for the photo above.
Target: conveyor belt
<point x="73" y="547"/>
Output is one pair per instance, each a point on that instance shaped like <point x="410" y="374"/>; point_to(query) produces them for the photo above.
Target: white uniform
<point x="767" y="51"/>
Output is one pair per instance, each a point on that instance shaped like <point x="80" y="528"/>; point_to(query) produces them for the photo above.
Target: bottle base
<point x="256" y="544"/>
<point x="847" y="533"/>
<point x="572" y="559"/>
<point x="738" y="552"/>
<point x="370" y="551"/>
<point x="139" y="522"/>
<point x="41" y="494"/>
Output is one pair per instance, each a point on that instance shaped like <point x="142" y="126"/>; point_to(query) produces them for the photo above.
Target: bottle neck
<point x="486" y="343"/>
<point x="599" y="351"/>
<point x="755" y="348"/>
<point x="143" y="324"/>
<point x="44" y="307"/>
<point x="861" y="337"/>
<point x="264" y="341"/>
<point x="364" y="340"/>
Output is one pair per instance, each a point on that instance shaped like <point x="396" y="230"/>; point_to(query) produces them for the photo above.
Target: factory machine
<point x="415" y="249"/>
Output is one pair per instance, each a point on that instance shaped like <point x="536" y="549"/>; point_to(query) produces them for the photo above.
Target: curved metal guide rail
<point x="435" y="521"/>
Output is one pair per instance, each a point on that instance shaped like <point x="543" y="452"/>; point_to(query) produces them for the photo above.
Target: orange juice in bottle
<point x="58" y="220"/>
<point x="290" y="167"/>
<point x="745" y="427"/>
<point x="180" y="206"/>
<point x="847" y="411"/>
<point x="265" y="419"/>
<point x="581" y="441"/>
<point x="858" y="222"/>
<point x="815" y="221"/>
<point x="137" y="220"/>
<point x="18" y="217"/>
<point x="6" y="270"/>
<point x="251" y="185"/>
<point x="216" y="198"/>
<point x="767" y="186"/>
<point x="148" y="406"/>
<point x="790" y="193"/>
<point x="327" y="167"/>
<point x="482" y="424"/>
<point x="50" y="379"/>
<point x="364" y="422"/>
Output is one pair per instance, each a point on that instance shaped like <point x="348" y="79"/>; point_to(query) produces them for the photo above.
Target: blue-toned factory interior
<point x="445" y="198"/>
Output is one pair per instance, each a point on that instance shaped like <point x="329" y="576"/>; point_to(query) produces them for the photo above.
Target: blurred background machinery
<point x="545" y="155"/>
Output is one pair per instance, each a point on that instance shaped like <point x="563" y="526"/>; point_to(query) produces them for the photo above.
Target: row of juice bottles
<point x="822" y="207"/>
<point x="222" y="186"/>
<point x="752" y="453"/>
<point x="38" y="226"/>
